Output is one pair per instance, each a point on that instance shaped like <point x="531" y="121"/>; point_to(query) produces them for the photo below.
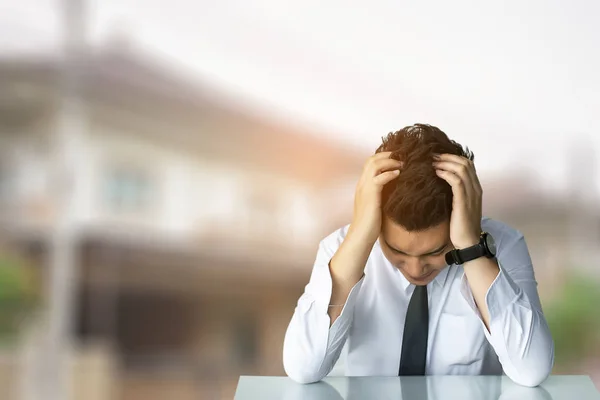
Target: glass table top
<point x="556" y="387"/>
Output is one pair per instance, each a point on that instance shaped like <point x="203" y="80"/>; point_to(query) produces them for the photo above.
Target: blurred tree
<point x="18" y="294"/>
<point x="574" y="320"/>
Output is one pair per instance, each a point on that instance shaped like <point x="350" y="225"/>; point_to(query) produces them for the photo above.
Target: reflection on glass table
<point x="416" y="388"/>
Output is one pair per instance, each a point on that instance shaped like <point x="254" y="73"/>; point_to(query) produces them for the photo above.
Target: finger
<point x="386" y="177"/>
<point x="476" y="183"/>
<point x="452" y="157"/>
<point x="386" y="164"/>
<point x="383" y="154"/>
<point x="461" y="171"/>
<point x="463" y="161"/>
<point x="458" y="188"/>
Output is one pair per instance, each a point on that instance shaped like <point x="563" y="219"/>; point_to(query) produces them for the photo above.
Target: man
<point x="419" y="283"/>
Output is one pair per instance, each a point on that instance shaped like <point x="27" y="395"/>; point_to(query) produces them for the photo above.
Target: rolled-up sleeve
<point x="311" y="347"/>
<point x="518" y="331"/>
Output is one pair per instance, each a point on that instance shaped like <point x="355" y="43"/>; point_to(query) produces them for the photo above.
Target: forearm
<point x="313" y="342"/>
<point x="516" y="327"/>
<point x="480" y="274"/>
<point x="347" y="268"/>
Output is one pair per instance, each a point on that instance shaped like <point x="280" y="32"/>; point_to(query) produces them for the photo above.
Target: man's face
<point x="418" y="255"/>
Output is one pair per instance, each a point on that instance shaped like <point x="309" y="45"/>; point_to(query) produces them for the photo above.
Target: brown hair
<point x="418" y="199"/>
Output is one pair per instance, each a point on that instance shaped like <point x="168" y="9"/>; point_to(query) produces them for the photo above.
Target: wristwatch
<point x="486" y="247"/>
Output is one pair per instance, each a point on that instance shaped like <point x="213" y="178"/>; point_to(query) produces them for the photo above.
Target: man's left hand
<point x="465" y="221"/>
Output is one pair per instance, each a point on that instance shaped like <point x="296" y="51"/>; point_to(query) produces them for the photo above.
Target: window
<point x="262" y="207"/>
<point x="301" y="216"/>
<point x="129" y="190"/>
<point x="153" y="330"/>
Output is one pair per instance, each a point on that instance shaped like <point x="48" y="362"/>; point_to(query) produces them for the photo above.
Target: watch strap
<point x="461" y="256"/>
<point x="472" y="253"/>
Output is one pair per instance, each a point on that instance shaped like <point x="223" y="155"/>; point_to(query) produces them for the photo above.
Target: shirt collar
<point x="440" y="279"/>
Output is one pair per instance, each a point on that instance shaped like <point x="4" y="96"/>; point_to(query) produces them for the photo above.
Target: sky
<point x="515" y="81"/>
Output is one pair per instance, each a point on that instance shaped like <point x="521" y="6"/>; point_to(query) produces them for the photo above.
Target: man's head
<point x="417" y="205"/>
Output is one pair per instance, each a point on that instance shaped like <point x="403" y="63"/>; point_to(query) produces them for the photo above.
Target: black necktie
<point x="416" y="329"/>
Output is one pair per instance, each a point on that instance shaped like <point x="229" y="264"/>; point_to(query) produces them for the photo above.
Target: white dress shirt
<point x="372" y="320"/>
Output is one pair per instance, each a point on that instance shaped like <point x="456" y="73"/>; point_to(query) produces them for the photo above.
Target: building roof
<point x="227" y="129"/>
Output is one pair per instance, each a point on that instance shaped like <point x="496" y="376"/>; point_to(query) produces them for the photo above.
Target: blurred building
<point x="197" y="220"/>
<point x="562" y="230"/>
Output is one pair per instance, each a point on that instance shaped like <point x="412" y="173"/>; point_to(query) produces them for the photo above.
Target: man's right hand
<point x="348" y="263"/>
<point x="366" y="221"/>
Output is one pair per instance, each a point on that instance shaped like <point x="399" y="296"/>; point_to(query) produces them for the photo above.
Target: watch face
<point x="491" y="245"/>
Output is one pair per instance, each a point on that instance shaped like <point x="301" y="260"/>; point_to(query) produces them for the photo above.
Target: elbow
<point x="304" y="377"/>
<point x="305" y="356"/>
<point x="302" y="368"/>
<point x="303" y="374"/>
<point x="530" y="378"/>
<point x="534" y="374"/>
